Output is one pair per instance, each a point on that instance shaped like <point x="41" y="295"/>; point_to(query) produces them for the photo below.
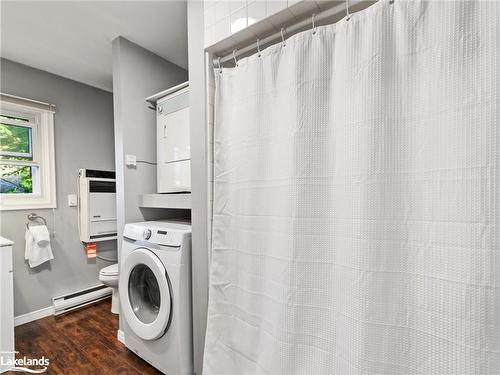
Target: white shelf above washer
<point x="154" y="98"/>
<point x="178" y="200"/>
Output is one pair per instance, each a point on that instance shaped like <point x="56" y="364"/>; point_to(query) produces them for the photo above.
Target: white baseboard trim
<point x="34" y="315"/>
<point x="121" y="336"/>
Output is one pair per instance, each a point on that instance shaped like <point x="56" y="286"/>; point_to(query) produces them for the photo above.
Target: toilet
<point x="109" y="276"/>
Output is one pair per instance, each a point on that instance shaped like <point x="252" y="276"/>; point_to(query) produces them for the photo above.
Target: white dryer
<point x="155" y="294"/>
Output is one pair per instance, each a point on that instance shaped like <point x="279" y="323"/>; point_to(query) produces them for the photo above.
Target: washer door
<point x="145" y="294"/>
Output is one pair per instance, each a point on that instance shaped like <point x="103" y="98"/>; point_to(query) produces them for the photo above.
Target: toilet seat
<point x="109" y="270"/>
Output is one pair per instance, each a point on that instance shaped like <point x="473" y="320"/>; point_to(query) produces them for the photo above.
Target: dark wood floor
<point x="80" y="342"/>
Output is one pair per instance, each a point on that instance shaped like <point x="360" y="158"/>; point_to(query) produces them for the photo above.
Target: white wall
<point x="83" y="139"/>
<point x="247" y="19"/>
<point x="199" y="177"/>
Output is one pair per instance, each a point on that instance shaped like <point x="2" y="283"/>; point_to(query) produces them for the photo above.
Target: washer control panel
<point x="160" y="234"/>
<point x="165" y="237"/>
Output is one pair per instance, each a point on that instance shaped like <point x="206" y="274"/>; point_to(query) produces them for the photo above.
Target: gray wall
<point x="199" y="177"/>
<point x="83" y="139"/>
<point x="137" y="74"/>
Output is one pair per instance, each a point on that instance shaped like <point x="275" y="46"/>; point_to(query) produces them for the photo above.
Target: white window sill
<point x="11" y="205"/>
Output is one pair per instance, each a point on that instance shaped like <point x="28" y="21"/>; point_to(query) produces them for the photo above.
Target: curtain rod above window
<point x="319" y="18"/>
<point x="27" y="102"/>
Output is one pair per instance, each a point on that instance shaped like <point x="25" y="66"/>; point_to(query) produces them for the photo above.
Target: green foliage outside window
<point x="15" y="178"/>
<point x="14" y="139"/>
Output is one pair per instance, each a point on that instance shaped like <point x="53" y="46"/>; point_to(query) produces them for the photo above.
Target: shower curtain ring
<point x="313" y="24"/>
<point x="348" y="15"/>
<point x="220" y="65"/>
<point x="258" y="47"/>
<point x="234" y="57"/>
<point x="283" y="41"/>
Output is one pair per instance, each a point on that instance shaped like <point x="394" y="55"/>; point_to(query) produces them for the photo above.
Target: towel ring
<point x="34" y="218"/>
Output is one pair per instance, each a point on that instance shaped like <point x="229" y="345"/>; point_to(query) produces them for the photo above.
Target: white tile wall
<point x="222" y="10"/>
<point x="222" y="29"/>
<point x="256" y="11"/>
<point x="275" y="6"/>
<point x="236" y="5"/>
<point x="209" y="13"/>
<point x="239" y="20"/>
<point x="223" y="18"/>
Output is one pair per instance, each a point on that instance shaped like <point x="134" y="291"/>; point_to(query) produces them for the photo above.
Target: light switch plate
<point x="72" y="200"/>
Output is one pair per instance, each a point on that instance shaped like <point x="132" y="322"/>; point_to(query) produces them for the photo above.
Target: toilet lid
<point x="110" y="270"/>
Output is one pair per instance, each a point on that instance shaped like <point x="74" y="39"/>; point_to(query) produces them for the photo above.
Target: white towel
<point x="34" y="253"/>
<point x="40" y="235"/>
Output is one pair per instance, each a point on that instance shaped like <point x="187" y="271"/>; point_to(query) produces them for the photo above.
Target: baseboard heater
<point x="79" y="299"/>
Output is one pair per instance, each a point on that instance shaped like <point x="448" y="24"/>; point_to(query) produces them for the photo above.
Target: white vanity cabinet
<point x="173" y="145"/>
<point x="6" y="304"/>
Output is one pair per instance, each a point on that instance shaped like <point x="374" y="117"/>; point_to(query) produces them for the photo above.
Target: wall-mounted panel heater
<point x="96" y="205"/>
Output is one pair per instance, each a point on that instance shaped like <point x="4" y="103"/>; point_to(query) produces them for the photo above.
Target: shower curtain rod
<point x="293" y="29"/>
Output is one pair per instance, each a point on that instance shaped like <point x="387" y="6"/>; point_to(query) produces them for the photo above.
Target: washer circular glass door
<point x="145" y="294"/>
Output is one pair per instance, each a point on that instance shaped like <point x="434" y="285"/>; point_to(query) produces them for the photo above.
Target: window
<point x="27" y="173"/>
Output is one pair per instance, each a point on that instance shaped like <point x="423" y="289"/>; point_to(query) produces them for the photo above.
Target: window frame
<point x="26" y="124"/>
<point x="41" y="122"/>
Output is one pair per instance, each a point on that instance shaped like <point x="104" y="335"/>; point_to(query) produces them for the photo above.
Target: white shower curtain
<point x="356" y="198"/>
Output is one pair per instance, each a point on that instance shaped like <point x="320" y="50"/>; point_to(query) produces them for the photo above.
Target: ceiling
<point x="73" y="38"/>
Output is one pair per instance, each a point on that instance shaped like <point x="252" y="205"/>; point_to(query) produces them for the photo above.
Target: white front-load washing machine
<point x="155" y="294"/>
